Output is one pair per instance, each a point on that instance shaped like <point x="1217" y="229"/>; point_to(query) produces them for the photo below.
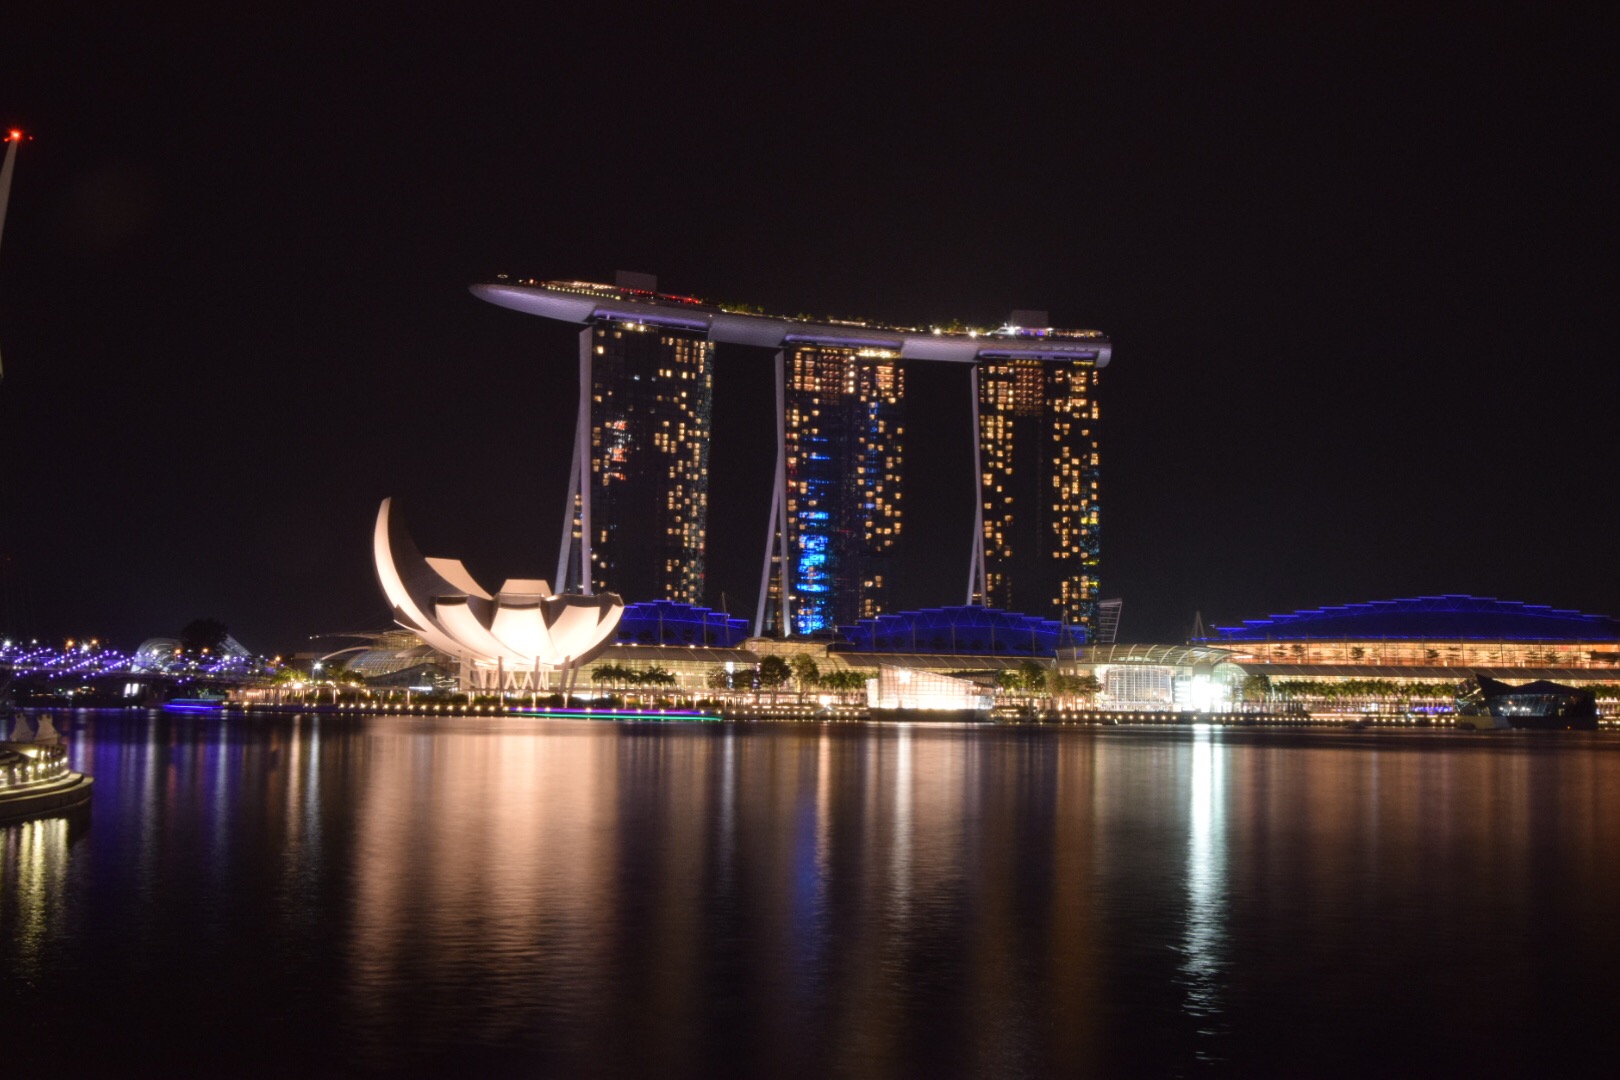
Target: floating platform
<point x="35" y="780"/>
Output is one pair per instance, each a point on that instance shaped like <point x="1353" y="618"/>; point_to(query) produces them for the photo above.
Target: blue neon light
<point x="1448" y="617"/>
<point x="968" y="630"/>
<point x="669" y="622"/>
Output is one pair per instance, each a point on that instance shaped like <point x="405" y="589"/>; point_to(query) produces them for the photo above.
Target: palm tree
<point x="656" y="676"/>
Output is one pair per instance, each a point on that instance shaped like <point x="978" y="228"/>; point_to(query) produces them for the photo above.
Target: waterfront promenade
<point x="787" y="711"/>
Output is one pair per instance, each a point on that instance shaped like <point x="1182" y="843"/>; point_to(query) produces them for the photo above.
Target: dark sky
<point x="1358" y="267"/>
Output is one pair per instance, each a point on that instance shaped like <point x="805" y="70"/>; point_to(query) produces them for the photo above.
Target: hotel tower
<point x="638" y="487"/>
<point x="843" y="434"/>
<point x="1038" y="478"/>
<point x="651" y="393"/>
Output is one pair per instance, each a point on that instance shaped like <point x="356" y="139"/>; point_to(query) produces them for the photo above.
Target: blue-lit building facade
<point x="965" y="631"/>
<point x="666" y="622"/>
<point x="844" y="437"/>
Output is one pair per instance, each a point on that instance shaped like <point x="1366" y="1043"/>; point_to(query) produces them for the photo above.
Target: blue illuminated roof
<point x="1444" y="618"/>
<point x="665" y="622"/>
<point x="967" y="631"/>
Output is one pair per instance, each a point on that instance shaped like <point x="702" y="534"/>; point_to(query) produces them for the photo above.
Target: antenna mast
<point x="13" y="138"/>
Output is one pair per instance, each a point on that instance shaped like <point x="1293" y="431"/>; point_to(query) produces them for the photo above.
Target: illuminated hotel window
<point x="653" y="503"/>
<point x="1040" y="493"/>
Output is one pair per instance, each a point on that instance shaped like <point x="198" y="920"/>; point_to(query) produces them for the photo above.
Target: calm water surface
<point x="341" y="896"/>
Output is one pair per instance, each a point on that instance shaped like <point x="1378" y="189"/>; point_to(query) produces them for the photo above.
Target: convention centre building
<point x="1382" y="656"/>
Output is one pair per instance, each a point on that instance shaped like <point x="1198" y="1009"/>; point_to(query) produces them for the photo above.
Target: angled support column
<point x="776" y="531"/>
<point x="578" y="510"/>
<point x="977" y="589"/>
<point x="565" y="550"/>
<point x="765" y="569"/>
<point x="12" y="140"/>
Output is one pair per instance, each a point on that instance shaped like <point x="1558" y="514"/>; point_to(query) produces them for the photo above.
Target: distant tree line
<point x="1358" y="689"/>
<point x="620" y="675"/>
<point x="772" y="673"/>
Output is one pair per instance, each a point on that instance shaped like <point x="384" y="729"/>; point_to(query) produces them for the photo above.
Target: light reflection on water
<point x="1206" y="884"/>
<point x="524" y="896"/>
<point x="33" y="872"/>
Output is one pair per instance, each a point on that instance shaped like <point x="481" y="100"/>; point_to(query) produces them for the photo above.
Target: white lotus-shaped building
<point x="504" y="640"/>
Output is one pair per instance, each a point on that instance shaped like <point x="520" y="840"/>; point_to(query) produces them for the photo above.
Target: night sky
<point x="1358" y="268"/>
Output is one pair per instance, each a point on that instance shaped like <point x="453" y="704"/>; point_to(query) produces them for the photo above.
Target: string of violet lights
<point x="82" y="660"/>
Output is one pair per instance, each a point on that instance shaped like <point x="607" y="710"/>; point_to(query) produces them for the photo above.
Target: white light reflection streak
<point x="823" y="815"/>
<point x="1205" y="937"/>
<point x="900" y="876"/>
<point x="34" y="855"/>
<point x="728" y="805"/>
<point x="310" y="796"/>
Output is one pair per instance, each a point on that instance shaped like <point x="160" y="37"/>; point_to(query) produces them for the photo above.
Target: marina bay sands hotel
<point x="638" y="487"/>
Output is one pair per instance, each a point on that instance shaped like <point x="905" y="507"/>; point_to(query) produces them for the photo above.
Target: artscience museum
<point x="517" y="639"/>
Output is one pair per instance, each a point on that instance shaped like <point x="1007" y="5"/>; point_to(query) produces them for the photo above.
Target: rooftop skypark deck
<point x="580" y="302"/>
